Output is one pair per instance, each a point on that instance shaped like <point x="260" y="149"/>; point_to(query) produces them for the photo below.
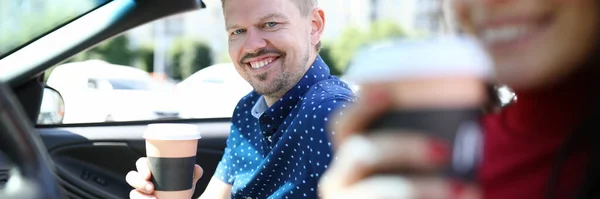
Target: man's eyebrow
<point x="231" y="27"/>
<point x="276" y="15"/>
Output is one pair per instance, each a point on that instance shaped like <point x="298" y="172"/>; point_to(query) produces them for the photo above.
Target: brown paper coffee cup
<point x="171" y="151"/>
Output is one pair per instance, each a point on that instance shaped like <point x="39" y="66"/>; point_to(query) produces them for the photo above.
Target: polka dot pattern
<point x="282" y="151"/>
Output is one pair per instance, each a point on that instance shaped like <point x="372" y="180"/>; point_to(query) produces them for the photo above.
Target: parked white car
<point x="212" y="92"/>
<point x="97" y="91"/>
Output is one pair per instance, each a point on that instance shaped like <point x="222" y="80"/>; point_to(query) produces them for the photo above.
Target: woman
<point x="539" y="147"/>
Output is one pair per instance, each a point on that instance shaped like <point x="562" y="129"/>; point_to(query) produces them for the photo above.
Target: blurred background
<point x="178" y="67"/>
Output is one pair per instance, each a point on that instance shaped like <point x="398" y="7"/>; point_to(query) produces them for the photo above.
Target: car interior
<point x="81" y="160"/>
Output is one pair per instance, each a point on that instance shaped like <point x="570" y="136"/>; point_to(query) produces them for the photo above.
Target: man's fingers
<point x="137" y="181"/>
<point x="371" y="104"/>
<point x="198" y="171"/>
<point x="143" y="168"/>
<point x="134" y="194"/>
<point x="362" y="156"/>
<point x="140" y="179"/>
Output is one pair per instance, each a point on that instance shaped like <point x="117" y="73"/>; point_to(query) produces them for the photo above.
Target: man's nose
<point x="254" y="41"/>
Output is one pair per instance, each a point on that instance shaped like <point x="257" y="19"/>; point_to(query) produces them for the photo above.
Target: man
<point x="278" y="146"/>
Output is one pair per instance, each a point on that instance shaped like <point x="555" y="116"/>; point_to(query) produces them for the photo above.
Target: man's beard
<point x="283" y="82"/>
<point x="277" y="86"/>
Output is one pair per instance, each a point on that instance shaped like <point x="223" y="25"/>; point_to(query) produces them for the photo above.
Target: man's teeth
<point x="503" y="34"/>
<point x="260" y="64"/>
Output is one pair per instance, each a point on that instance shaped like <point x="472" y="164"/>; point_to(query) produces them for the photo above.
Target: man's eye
<point x="270" y="24"/>
<point x="237" y="32"/>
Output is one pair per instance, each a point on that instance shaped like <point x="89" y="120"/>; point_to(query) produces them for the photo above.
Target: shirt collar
<point x="318" y="71"/>
<point x="259" y="107"/>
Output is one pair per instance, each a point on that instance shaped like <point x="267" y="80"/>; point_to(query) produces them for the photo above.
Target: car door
<point x="92" y="158"/>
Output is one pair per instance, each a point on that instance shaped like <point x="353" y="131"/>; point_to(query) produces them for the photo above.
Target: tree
<point x="382" y="30"/>
<point x="329" y="60"/>
<point x="188" y="56"/>
<point x="145" y="57"/>
<point x="344" y="47"/>
<point x="115" y="50"/>
<point x="352" y="39"/>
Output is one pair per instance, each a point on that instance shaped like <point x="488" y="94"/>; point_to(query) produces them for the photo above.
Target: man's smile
<point x="262" y="63"/>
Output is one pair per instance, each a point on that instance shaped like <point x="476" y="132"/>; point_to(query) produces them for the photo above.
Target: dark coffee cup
<point x="439" y="86"/>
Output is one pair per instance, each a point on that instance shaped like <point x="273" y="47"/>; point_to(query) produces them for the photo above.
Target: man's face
<point x="269" y="43"/>
<point x="534" y="43"/>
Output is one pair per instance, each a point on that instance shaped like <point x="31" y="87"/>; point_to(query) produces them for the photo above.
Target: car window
<point x="179" y="67"/>
<point x="21" y="21"/>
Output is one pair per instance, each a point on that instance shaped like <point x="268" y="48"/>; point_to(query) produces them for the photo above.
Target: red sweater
<point x="522" y="142"/>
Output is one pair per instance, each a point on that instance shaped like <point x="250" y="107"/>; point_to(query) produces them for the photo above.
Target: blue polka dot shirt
<point x="281" y="151"/>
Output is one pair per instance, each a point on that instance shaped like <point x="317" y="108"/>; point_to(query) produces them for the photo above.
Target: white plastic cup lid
<point x="421" y="58"/>
<point x="172" y="131"/>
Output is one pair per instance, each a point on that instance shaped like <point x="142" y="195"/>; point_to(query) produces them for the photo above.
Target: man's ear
<point x="317" y="25"/>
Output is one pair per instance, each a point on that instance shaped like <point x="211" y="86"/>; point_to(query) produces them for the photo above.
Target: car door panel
<point x="92" y="160"/>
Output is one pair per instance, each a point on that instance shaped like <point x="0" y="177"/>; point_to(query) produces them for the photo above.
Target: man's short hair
<point x="305" y="6"/>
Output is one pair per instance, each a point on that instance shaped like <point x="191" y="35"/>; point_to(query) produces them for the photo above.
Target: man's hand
<point x="140" y="180"/>
<point x="387" y="165"/>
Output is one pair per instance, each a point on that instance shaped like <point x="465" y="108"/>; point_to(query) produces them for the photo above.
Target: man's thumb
<point x="197" y="173"/>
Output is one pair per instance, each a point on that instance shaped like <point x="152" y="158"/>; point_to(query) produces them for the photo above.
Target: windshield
<point x="22" y="21"/>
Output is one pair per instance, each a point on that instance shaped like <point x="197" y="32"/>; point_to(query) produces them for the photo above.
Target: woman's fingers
<point x="374" y="187"/>
<point x="371" y="104"/>
<point x="361" y="156"/>
<point x="398" y="187"/>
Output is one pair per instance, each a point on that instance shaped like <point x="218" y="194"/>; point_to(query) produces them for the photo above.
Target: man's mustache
<point x="262" y="52"/>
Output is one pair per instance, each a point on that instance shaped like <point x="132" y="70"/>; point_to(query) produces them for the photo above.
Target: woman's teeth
<point x="260" y="64"/>
<point x="503" y="34"/>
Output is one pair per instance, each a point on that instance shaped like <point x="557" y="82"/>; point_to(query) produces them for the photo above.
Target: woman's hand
<point x="387" y="164"/>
